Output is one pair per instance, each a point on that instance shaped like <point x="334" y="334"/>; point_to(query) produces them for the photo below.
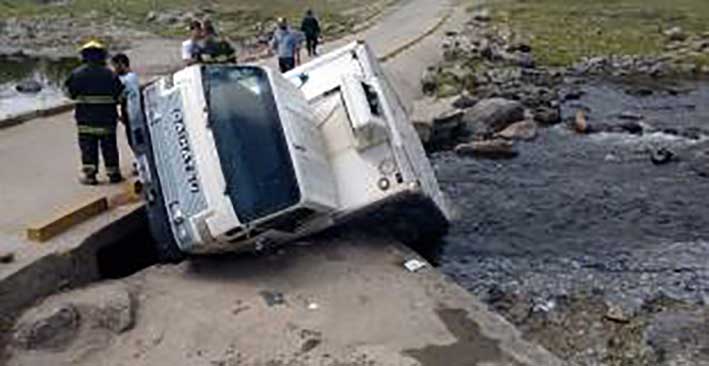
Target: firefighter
<point x="216" y="49"/>
<point x="96" y="90"/>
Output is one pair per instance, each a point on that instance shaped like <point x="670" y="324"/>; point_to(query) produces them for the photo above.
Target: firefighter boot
<point x="88" y="176"/>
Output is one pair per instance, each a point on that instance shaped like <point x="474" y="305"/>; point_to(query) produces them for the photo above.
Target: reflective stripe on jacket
<point x="96" y="90"/>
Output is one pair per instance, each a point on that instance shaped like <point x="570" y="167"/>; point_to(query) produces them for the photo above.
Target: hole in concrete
<point x="132" y="253"/>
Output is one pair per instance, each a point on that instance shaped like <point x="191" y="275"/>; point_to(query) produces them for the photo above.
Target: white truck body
<point x="241" y="157"/>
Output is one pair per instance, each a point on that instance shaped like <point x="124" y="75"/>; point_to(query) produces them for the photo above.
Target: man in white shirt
<point x="131" y="92"/>
<point x="191" y="48"/>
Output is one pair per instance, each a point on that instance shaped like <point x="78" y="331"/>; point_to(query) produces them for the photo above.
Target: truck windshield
<point x="259" y="173"/>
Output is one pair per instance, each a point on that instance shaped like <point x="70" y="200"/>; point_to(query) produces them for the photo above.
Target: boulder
<point x="580" y="123"/>
<point x="661" y="156"/>
<point x="437" y="121"/>
<point x="675" y="34"/>
<point x="29" y="86"/>
<point x="482" y="15"/>
<point x="524" y="130"/>
<point x="489" y="149"/>
<point x="47" y="327"/>
<point x="547" y="115"/>
<point x="428" y="81"/>
<point x="464" y="102"/>
<point x="107" y="308"/>
<point x="492" y="115"/>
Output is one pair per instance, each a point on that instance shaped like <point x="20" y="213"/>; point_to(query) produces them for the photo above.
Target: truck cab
<point x="236" y="158"/>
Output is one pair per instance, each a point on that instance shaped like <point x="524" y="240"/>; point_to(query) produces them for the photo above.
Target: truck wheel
<point x="168" y="252"/>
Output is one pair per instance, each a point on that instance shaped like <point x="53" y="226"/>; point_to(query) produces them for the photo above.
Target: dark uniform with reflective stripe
<point x="96" y="90"/>
<point x="217" y="50"/>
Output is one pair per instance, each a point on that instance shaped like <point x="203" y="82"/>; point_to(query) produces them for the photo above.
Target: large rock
<point x="489" y="149"/>
<point x="675" y="34"/>
<point x="547" y="115"/>
<point x="54" y="324"/>
<point x="47" y="327"/>
<point x="29" y="86"/>
<point x="492" y="115"/>
<point x="429" y="83"/>
<point x="437" y="121"/>
<point x="525" y="130"/>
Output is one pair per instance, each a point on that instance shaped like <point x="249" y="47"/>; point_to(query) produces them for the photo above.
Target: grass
<point x="239" y="18"/>
<point x="563" y="31"/>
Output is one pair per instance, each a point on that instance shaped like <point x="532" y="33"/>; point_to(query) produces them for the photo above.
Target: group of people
<point x="286" y="42"/>
<point x="206" y="46"/>
<point x="102" y="93"/>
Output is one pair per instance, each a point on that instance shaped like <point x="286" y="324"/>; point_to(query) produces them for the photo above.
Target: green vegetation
<point x="563" y="31"/>
<point x="239" y="18"/>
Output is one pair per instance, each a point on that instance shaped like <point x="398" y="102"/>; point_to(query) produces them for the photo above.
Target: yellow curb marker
<point x="82" y="213"/>
<point x="47" y="230"/>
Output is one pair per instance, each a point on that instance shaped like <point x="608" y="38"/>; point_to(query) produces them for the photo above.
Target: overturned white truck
<point x="237" y="158"/>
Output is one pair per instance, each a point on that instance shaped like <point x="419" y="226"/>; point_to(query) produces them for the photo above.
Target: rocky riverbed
<point x="581" y="195"/>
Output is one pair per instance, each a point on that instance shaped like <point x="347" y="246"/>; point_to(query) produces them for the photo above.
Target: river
<point x="589" y="212"/>
<point x="50" y="73"/>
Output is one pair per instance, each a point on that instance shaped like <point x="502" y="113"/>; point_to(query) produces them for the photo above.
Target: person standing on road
<point x="216" y="49"/>
<point x="192" y="47"/>
<point x="131" y="91"/>
<point x="96" y="90"/>
<point x="310" y="26"/>
<point x="286" y="44"/>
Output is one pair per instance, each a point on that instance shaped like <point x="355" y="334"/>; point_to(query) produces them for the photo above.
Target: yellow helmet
<point x="92" y="44"/>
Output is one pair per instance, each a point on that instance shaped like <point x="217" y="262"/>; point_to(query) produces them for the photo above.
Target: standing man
<point x="192" y="47"/>
<point x="96" y="90"/>
<point x="311" y="27"/>
<point x="131" y="91"/>
<point x="286" y="44"/>
<point x="216" y="49"/>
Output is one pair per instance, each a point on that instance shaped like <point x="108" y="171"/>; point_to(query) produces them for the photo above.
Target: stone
<point x="464" y="102"/>
<point x="47" y="328"/>
<point x="631" y="116"/>
<point x="661" y="156"/>
<point x="492" y="115"/>
<point x="29" y="86"/>
<point x="151" y="16"/>
<point x="437" y="121"/>
<point x="617" y="314"/>
<point x="109" y="307"/>
<point x="574" y="94"/>
<point x="639" y="91"/>
<point x="482" y="15"/>
<point x="489" y="149"/>
<point x="547" y="115"/>
<point x="675" y="34"/>
<point x="580" y="123"/>
<point x="524" y="130"/>
<point x="428" y="81"/>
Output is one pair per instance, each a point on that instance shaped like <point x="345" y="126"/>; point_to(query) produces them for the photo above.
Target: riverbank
<point x="581" y="188"/>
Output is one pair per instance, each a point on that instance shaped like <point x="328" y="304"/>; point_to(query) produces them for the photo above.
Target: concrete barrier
<point x="71" y="260"/>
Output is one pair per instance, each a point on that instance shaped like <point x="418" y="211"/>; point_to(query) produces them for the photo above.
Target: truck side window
<point x="373" y="100"/>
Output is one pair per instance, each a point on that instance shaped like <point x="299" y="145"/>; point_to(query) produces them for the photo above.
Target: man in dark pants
<point x="96" y="90"/>
<point x="286" y="44"/>
<point x="311" y="28"/>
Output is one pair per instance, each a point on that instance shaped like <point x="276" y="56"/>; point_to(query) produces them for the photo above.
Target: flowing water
<point x="590" y="212"/>
<point x="50" y="73"/>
